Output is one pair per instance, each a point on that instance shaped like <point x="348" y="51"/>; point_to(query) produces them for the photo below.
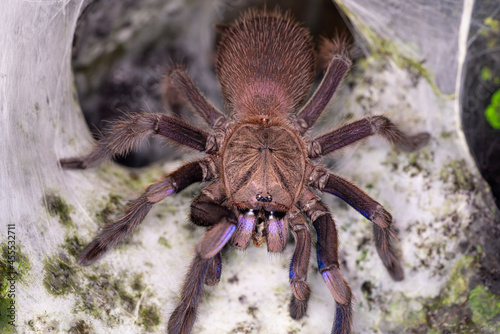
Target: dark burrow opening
<point x="123" y="48"/>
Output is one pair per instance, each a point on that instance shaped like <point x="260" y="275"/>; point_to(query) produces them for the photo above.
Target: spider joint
<point x="314" y="149"/>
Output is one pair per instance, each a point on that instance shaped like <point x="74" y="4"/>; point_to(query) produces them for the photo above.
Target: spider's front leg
<point x="207" y="210"/>
<point x="126" y="133"/>
<point x="384" y="235"/>
<point x="328" y="262"/>
<point x="138" y="208"/>
<point x="299" y="265"/>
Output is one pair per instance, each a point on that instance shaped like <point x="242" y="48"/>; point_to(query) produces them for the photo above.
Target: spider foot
<point x="385" y="239"/>
<point x="72" y="163"/>
<point x="412" y="143"/>
<point x="300" y="298"/>
<point x="343" y="319"/>
<point x="92" y="252"/>
<point x="298" y="308"/>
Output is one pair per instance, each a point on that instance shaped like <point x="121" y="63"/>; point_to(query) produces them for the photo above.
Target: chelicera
<point x="260" y="167"/>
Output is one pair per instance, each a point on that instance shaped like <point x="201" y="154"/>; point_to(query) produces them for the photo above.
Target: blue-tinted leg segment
<point x="343" y="319"/>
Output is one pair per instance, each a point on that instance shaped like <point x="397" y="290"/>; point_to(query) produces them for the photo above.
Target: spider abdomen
<point x="263" y="167"/>
<point x="265" y="64"/>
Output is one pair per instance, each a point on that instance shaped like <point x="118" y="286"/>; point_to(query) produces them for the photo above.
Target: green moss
<point x="486" y="74"/>
<point x="81" y="327"/>
<point x="446" y="134"/>
<point x="401" y="312"/>
<point x="164" y="242"/>
<point x="137" y="283"/>
<point x="56" y="206"/>
<point x="485" y="306"/>
<point x="456" y="173"/>
<point x="492" y="112"/>
<point x="449" y="312"/>
<point x="73" y="245"/>
<point x="362" y="258"/>
<point x="60" y="276"/>
<point x="103" y="293"/>
<point x="149" y="316"/>
<point x="493" y="24"/>
<point x="455" y="291"/>
<point x="14" y="264"/>
<point x="5" y="317"/>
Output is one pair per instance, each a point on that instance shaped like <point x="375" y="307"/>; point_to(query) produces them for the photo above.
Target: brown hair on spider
<point x="261" y="168"/>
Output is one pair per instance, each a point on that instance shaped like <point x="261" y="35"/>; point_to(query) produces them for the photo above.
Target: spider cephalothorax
<point x="260" y="167"/>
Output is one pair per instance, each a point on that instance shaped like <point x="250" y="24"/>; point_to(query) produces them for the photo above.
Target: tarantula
<point x="259" y="164"/>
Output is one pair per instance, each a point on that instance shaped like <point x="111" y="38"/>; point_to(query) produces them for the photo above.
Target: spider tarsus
<point x="343" y="319"/>
<point x="182" y="319"/>
<point x="73" y="163"/>
<point x="385" y="239"/>
<point x="338" y="46"/>
<point x="298" y="308"/>
<point x="92" y="253"/>
<point x="413" y="143"/>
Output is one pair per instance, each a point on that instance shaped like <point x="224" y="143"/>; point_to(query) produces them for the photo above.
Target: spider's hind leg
<point x="384" y="235"/>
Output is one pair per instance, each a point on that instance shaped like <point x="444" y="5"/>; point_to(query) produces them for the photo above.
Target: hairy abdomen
<point x="265" y="64"/>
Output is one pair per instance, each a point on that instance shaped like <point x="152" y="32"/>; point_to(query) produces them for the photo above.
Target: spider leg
<point x="126" y="133"/>
<point x="221" y="223"/>
<point x="328" y="263"/>
<point x="340" y="63"/>
<point x="361" y="129"/>
<point x="138" y="208"/>
<point x="299" y="266"/>
<point x="180" y="79"/>
<point x="384" y="235"/>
